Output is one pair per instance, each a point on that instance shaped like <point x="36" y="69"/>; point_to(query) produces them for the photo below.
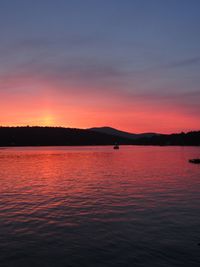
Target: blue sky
<point x="125" y="55"/>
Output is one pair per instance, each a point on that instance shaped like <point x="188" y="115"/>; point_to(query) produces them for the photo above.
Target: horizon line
<point x="65" y="127"/>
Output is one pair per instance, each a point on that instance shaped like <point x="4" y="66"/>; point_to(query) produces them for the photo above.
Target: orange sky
<point x="49" y="105"/>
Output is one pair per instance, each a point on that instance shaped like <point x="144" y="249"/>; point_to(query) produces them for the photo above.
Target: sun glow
<point x="47" y="120"/>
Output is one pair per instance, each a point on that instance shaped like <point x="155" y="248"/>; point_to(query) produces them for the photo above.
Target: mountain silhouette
<point x="115" y="132"/>
<point x="59" y="136"/>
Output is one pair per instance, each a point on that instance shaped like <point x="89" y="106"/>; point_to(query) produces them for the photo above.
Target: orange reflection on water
<point x="43" y="178"/>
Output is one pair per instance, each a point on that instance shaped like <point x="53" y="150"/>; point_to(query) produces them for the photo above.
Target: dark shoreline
<point x="58" y="136"/>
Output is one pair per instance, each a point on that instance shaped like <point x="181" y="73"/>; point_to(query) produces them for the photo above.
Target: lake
<point x="95" y="206"/>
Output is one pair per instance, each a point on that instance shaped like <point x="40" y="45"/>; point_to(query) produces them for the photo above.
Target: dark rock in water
<point x="195" y="161"/>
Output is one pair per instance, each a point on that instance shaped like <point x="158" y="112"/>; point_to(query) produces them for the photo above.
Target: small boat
<point x="195" y="161"/>
<point x="116" y="146"/>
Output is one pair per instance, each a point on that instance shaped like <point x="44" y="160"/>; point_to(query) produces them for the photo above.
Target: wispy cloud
<point x="182" y="63"/>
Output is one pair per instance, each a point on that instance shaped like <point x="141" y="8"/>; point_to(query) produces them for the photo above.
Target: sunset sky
<point x="129" y="64"/>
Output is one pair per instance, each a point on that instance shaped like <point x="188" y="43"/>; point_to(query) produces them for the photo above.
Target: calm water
<point x="94" y="206"/>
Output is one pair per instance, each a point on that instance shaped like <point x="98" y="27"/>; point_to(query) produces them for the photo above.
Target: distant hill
<point x="178" y="139"/>
<point x="55" y="136"/>
<point x="112" y="131"/>
<point x="58" y="136"/>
